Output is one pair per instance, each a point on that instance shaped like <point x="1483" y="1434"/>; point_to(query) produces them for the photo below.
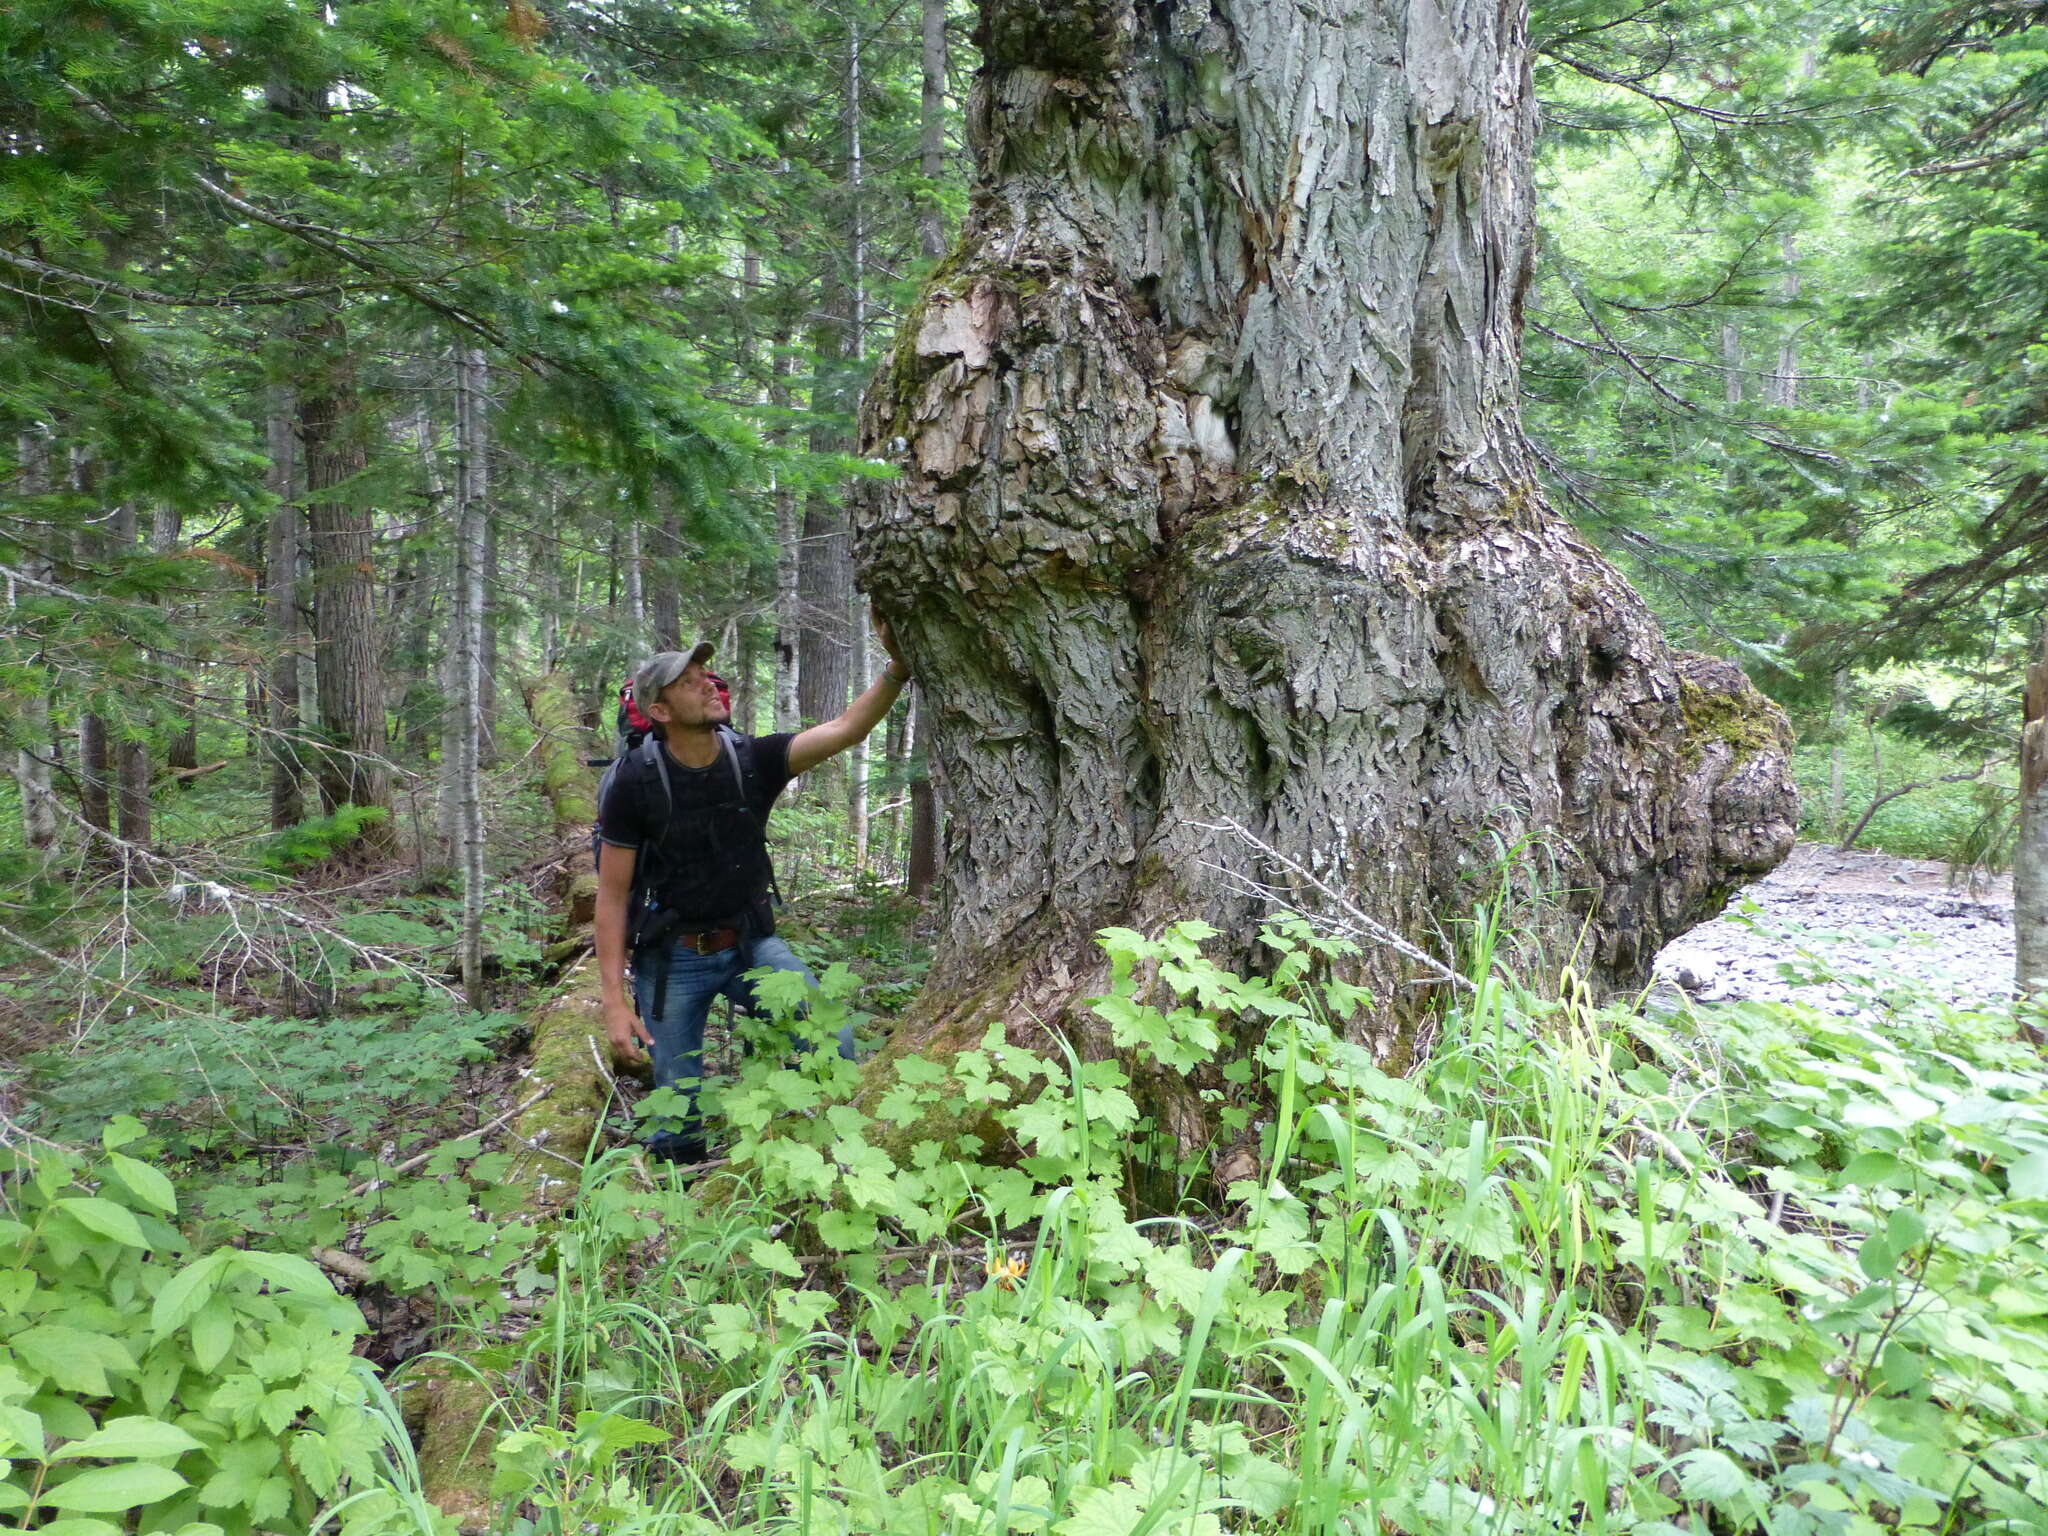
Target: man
<point x="695" y="805"/>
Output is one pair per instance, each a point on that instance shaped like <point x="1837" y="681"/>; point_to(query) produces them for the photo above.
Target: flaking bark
<point x="1215" y="510"/>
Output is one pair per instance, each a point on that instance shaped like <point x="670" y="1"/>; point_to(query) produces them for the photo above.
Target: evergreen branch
<point x="1719" y="116"/>
<point x="269" y="294"/>
<point x="1676" y="401"/>
<point x="338" y="246"/>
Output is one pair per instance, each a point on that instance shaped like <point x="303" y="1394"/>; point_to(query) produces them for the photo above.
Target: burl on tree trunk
<point x="1215" y="512"/>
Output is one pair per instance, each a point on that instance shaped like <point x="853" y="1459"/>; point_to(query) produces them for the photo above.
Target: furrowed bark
<point x="349" y="768"/>
<point x="1215" y="512"/>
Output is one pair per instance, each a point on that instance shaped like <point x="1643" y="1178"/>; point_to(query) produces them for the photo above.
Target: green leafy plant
<point x="143" y="1389"/>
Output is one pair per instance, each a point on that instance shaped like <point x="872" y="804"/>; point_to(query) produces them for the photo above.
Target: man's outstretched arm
<point x="813" y="746"/>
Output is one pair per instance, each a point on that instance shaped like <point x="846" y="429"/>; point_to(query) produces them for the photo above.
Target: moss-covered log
<point x="548" y="1138"/>
<point x="568" y="1053"/>
<point x="449" y="1410"/>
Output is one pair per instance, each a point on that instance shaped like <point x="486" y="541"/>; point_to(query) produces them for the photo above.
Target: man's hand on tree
<point x="623" y="1027"/>
<point x="888" y="638"/>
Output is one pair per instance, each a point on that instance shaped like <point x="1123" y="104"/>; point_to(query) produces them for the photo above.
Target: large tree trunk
<point x="1216" y="514"/>
<point x="350" y="768"/>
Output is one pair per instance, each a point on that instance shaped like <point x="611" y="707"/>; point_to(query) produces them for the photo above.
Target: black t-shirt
<point x="707" y="860"/>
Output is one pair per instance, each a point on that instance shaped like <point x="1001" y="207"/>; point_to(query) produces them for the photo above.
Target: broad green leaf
<point x="287" y="1271"/>
<point x="135" y="1436"/>
<point x="106" y="1218"/>
<point x="1877" y="1258"/>
<point x="109" y="1490"/>
<point x="149" y="1184"/>
<point x="1712" y="1475"/>
<point x="186" y="1292"/>
<point x="213" y="1333"/>
<point x="1112" y="1511"/>
<point x="613" y="1432"/>
<point x="75" y="1360"/>
<point x="775" y="1256"/>
<point x="2027" y="1178"/>
<point x="731" y="1331"/>
<point x="1872" y="1168"/>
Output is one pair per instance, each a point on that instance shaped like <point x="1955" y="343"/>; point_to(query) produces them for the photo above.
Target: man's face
<point x="690" y="701"/>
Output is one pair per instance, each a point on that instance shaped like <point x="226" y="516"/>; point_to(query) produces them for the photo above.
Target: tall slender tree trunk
<point x="824" y="659"/>
<point x="547" y="555"/>
<point x="492" y="578"/>
<point x="34" y="741"/>
<point x="1731" y="362"/>
<point x="95" y="745"/>
<point x="635" y="589"/>
<point x="463" y="777"/>
<point x="664" y="600"/>
<point x="921" y="861"/>
<point x="747" y="658"/>
<point x="1216" y="531"/>
<point x="132" y="822"/>
<point x="931" y="130"/>
<point x="788" y="552"/>
<point x="860" y="760"/>
<point x="1785" y="382"/>
<point x="2030" y="853"/>
<point x="857" y="769"/>
<point x="281" y="615"/>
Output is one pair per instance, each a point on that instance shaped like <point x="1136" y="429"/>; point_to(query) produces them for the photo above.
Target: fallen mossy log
<point x="551" y="1133"/>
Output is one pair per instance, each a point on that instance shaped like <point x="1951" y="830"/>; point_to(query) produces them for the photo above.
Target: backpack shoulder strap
<point x="729" y="739"/>
<point x="654" y="758"/>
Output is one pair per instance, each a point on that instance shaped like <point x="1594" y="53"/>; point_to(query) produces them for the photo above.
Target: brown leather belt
<point x="712" y="941"/>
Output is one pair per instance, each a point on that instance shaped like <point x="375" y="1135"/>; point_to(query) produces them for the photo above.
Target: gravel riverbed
<point x="1857" y="913"/>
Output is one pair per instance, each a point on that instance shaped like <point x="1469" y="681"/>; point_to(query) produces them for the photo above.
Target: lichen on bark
<point x="1215" y="514"/>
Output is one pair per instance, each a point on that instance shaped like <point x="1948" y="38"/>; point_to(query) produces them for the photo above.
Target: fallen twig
<point x="420" y="1159"/>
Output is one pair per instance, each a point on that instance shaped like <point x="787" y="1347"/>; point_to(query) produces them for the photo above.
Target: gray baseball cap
<point x="657" y="672"/>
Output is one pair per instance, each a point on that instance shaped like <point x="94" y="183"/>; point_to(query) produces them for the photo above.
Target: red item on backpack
<point x="633" y="720"/>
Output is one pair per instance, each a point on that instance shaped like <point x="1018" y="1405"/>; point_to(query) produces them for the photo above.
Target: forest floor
<point x="1853" y="912"/>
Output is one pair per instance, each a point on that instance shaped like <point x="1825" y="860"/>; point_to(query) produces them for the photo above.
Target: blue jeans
<point x="695" y="982"/>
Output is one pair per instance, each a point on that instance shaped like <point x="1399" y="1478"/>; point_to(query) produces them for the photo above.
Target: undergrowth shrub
<point x="208" y="1081"/>
<point x="144" y="1389"/>
<point x="1770" y="1271"/>
<point x="1758" y="1270"/>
